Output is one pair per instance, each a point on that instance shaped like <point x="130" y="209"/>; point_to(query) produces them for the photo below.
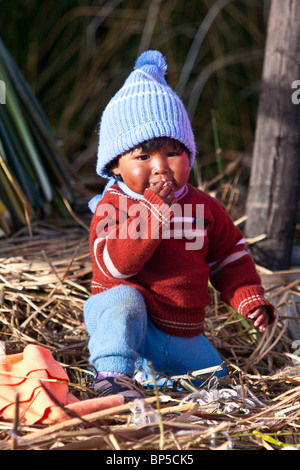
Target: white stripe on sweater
<point x="108" y="262"/>
<point x="249" y="300"/>
<point x="229" y="259"/>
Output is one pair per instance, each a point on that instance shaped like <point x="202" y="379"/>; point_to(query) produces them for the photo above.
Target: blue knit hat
<point x="144" y="108"/>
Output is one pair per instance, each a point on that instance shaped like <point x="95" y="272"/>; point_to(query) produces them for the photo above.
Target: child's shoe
<point x="119" y="385"/>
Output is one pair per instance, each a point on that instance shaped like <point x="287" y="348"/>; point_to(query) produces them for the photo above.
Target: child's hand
<point x="165" y="189"/>
<point x="260" y="318"/>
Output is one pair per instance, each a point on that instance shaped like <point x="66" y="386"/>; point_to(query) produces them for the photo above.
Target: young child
<point x="156" y="241"/>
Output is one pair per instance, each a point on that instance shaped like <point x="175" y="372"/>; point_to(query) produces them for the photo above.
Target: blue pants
<point x="123" y="339"/>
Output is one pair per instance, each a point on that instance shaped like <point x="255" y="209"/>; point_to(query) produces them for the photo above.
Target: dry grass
<point x="44" y="282"/>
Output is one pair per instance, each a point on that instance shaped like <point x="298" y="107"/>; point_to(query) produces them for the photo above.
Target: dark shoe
<point x="120" y="385"/>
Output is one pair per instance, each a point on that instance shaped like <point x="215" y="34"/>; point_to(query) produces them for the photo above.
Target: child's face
<point x="139" y="170"/>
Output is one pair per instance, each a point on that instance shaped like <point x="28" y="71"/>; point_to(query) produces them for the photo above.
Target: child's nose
<point x="161" y="165"/>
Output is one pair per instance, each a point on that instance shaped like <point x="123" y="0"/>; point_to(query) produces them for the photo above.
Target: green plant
<point x="34" y="178"/>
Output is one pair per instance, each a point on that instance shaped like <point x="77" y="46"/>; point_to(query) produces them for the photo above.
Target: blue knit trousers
<point x="123" y="339"/>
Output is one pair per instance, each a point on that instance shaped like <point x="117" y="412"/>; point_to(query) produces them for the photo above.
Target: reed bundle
<point x="44" y="281"/>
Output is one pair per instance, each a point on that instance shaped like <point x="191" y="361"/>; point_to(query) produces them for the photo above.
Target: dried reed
<point x="44" y="281"/>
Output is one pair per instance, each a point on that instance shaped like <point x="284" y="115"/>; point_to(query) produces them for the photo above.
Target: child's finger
<point x="165" y="190"/>
<point x="167" y="194"/>
<point x="156" y="187"/>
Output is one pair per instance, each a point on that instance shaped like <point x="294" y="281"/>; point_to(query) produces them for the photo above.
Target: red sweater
<point x="169" y="257"/>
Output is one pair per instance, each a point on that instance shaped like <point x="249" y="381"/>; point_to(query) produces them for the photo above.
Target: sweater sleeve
<point x="232" y="270"/>
<point x="125" y="235"/>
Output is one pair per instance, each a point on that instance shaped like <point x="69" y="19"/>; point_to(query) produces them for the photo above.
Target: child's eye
<point x="174" y="154"/>
<point x="143" y="157"/>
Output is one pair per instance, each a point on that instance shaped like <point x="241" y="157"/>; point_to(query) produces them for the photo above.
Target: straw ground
<point x="44" y="281"/>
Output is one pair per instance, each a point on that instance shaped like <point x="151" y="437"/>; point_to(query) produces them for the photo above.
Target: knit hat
<point x="144" y="108"/>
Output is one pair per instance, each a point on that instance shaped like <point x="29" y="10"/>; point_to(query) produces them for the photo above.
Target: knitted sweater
<point x="169" y="256"/>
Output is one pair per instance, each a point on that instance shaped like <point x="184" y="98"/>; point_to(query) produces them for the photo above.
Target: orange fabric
<point x="23" y="373"/>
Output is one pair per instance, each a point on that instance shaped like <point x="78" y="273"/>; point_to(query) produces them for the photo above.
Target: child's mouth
<point x="162" y="180"/>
